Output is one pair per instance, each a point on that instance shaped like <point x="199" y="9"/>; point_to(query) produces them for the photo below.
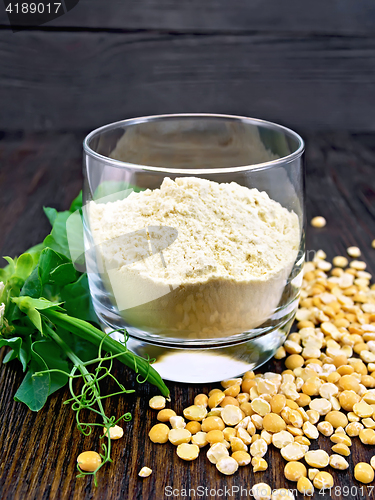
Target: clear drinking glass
<point x="215" y="321"/>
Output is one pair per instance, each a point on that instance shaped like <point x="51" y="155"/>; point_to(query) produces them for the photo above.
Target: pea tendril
<point x="90" y="397"/>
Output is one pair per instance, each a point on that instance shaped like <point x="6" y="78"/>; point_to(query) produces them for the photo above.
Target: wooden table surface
<point x="38" y="450"/>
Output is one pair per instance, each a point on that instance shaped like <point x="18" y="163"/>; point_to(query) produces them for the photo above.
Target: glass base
<point x="203" y="364"/>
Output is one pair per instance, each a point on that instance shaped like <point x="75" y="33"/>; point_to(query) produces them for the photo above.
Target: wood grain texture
<point x="35" y="171"/>
<point x="38" y="450"/>
<point x="320" y="16"/>
<point x="71" y="81"/>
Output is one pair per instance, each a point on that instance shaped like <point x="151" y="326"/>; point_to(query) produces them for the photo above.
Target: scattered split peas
<point x="201" y="400"/>
<point x="318" y="221"/>
<point x="273" y="423"/>
<point x="187" y="451"/>
<point x="193" y="427"/>
<point x="338" y="462"/>
<point x="227" y="466"/>
<point x="327" y="388"/>
<point x="337" y="418"/>
<point x="157" y="403"/>
<point x="305" y="486"/>
<point x="212" y="424"/>
<point x="115" y="432"/>
<point x="295" y="470"/>
<point x="323" y="480"/>
<point x="353" y="252"/>
<point x="89" y="461"/>
<point x="145" y="472"/>
<point x="364" y="473"/>
<point x="159" y="433"/>
<point x="215" y="436"/>
<point x="259" y="464"/>
<point x="241" y="457"/>
<point x="165" y="415"/>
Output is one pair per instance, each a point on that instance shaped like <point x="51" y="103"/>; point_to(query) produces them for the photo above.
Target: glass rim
<point x="198" y="171"/>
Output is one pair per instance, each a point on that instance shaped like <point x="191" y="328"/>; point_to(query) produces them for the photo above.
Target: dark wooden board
<point x="74" y="80"/>
<point x="35" y="171"/>
<point x="320" y="16"/>
<point x="38" y="450"/>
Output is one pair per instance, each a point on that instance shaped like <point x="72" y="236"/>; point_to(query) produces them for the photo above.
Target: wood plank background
<point x="321" y="16"/>
<point x="38" y="451"/>
<point x="308" y="65"/>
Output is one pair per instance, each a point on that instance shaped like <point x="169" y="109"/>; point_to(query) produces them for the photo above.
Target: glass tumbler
<point x="194" y="239"/>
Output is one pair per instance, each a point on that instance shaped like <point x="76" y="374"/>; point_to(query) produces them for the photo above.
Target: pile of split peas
<point x="327" y="388"/>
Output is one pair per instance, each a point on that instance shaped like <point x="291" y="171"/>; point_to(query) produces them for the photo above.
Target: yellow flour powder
<point x="212" y="259"/>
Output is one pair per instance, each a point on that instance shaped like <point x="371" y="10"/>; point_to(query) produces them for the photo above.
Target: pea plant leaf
<point x="20" y="349"/>
<point x="53" y="269"/>
<point x="63" y="274"/>
<point x="51" y="214"/>
<point x="34" y="391"/>
<point x="15" y="275"/>
<point x="31" y="308"/>
<point x="76" y="203"/>
<point x="4" y="274"/>
<point x="14" y="343"/>
<point x="74" y="233"/>
<point x="35" y="252"/>
<point x="49" y="260"/>
<point x="33" y="285"/>
<point x="77" y="300"/>
<point x="9" y="269"/>
<point x="24" y="266"/>
<point x="66" y="236"/>
<point x="21" y="269"/>
<point x="51" y="354"/>
<point x="58" y="240"/>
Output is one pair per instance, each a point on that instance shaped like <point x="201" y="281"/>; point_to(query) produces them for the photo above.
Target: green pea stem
<point x="89" y="332"/>
<point x="77" y="362"/>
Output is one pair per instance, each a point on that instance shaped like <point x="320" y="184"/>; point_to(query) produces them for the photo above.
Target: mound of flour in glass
<point x="222" y="272"/>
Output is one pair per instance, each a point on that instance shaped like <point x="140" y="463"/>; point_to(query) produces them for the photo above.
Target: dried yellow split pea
<point x="187" y="451"/>
<point x="364" y="473"/>
<point x="145" y="472"/>
<point x="157" y="402"/>
<point x="318" y="221"/>
<point x="227" y="465"/>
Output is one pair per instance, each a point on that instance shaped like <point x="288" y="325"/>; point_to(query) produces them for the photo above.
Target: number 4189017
<point x="33" y="8"/>
<point x="348" y="491"/>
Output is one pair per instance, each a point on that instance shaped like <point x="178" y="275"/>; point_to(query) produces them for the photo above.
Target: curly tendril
<point x="90" y="398"/>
